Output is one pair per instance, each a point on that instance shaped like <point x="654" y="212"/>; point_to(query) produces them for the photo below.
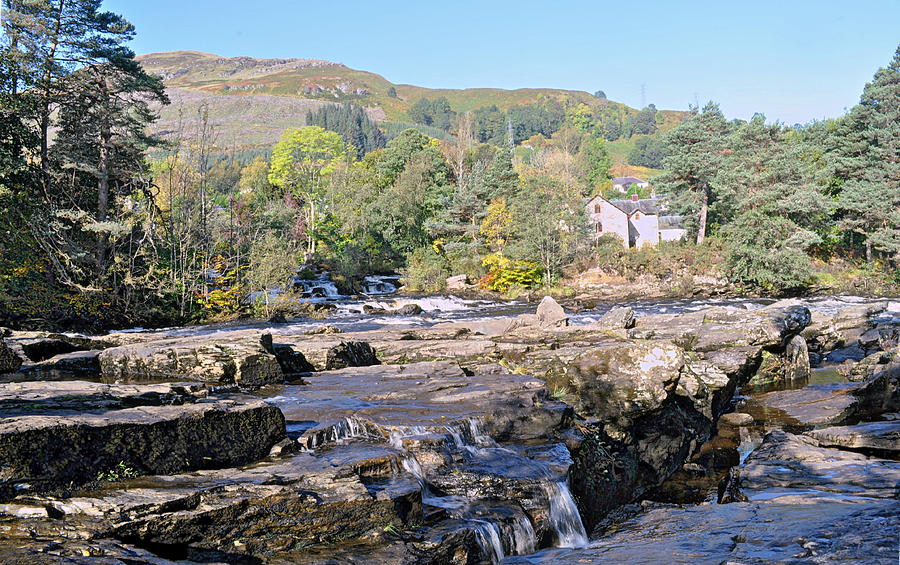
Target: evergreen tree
<point x="502" y="179"/>
<point x="352" y="123"/>
<point x="770" y="205"/>
<point x="865" y="152"/>
<point x="696" y="153"/>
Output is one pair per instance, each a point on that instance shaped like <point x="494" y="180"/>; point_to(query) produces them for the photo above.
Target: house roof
<point x="671" y="223"/>
<point x="647" y="206"/>
<point x="626" y="180"/>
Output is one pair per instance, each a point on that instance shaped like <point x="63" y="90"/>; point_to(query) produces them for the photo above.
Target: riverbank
<point x="462" y="435"/>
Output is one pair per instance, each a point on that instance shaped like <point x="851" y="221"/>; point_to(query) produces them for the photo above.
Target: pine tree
<point x="865" y="152"/>
<point x="501" y="178"/>
<point x="696" y="153"/>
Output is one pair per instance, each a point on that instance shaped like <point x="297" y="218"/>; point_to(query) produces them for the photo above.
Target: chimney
<point x="635" y="197"/>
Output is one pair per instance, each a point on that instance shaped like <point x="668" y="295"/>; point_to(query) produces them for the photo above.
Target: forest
<point x="103" y="224"/>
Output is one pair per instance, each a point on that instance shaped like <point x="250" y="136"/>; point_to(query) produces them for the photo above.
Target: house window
<point x="599" y="227"/>
<point x="596" y="208"/>
<point x="637" y="215"/>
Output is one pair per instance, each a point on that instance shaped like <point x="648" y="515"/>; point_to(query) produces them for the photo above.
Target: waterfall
<point x="377" y="284"/>
<point x="319" y="287"/>
<point x="564" y="516"/>
<point x="522" y="537"/>
<point x="487" y="534"/>
<point x="348" y="428"/>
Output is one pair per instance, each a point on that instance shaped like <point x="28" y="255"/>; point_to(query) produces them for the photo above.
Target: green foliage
<point x="504" y="274"/>
<point x="648" y="152"/>
<point x="426" y="270"/>
<point x="351" y="121"/>
<point x="121" y="472"/>
<point x="593" y="163"/>
<point x="435" y="113"/>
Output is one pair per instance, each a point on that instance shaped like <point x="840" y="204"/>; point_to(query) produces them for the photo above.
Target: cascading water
<point x="522" y="537"/>
<point x="319" y="287"/>
<point x="564" y="516"/>
<point x="380" y="284"/>
<point x="348" y="428"/>
<point x="488" y="536"/>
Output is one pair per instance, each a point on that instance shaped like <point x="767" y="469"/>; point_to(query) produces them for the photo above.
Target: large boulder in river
<point x="9" y="361"/>
<point x="551" y="314"/>
<point x="214" y="361"/>
<point x="350" y="354"/>
<point x="54" y="434"/>
<point x="626" y="379"/>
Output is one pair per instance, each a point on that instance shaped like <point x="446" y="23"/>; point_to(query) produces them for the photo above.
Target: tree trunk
<point x="701" y="230"/>
<point x="868" y="250"/>
<point x="103" y="184"/>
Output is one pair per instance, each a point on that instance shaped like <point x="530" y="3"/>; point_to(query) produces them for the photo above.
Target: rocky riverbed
<point x="526" y="436"/>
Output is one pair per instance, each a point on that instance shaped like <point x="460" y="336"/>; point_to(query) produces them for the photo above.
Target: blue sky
<point x="791" y="60"/>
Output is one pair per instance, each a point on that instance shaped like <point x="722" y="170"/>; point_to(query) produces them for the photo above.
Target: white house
<point x="637" y="222"/>
<point x="622" y="184"/>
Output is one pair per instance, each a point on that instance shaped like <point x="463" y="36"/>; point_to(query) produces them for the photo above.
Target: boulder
<point x="350" y="354"/>
<point x="880" y="436"/>
<point x="9" y="361"/>
<point x="457" y="282"/>
<point x="551" y="314"/>
<point x="621" y="317"/>
<point x="408" y="310"/>
<point x="54" y="435"/>
<point x="627" y="379"/>
<point x="796" y="359"/>
<point x="216" y="361"/>
<point x="291" y="362"/>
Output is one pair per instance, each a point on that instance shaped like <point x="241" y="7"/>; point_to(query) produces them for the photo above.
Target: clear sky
<point x="791" y="60"/>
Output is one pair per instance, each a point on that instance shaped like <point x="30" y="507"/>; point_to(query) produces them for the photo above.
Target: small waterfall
<point x="319" y="287"/>
<point x="378" y="284"/>
<point x="488" y="536"/>
<point x="348" y="428"/>
<point x="564" y="516"/>
<point x="521" y="537"/>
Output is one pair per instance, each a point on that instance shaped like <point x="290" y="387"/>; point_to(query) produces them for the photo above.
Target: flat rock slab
<point x="55" y="439"/>
<point x="883" y="436"/>
<point x="814" y="405"/>
<point x="426" y="394"/>
<point x="799" y="530"/>
<point x="786" y="465"/>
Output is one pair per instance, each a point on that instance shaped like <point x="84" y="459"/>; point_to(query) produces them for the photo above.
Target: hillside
<point x="251" y="101"/>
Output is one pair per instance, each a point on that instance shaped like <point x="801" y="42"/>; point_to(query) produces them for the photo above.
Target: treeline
<point x="605" y="119"/>
<point x="352" y="123"/>
<point x="781" y="197"/>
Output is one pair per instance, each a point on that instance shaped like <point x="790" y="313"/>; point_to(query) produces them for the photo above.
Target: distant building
<point x="637" y="222"/>
<point x="622" y="184"/>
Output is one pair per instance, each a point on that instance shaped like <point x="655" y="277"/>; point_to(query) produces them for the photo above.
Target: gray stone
<point x="351" y="354"/>
<point x="457" y="282"/>
<point x="9" y="361"/>
<point x="550" y="313"/>
<point x="882" y="436"/>
<point x="621" y="317"/>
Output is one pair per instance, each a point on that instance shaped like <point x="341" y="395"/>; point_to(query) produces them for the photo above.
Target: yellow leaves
<point x="497" y="224"/>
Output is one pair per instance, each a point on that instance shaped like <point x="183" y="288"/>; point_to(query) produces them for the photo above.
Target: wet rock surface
<point x="456" y="443"/>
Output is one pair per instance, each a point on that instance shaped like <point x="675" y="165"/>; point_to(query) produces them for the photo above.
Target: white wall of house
<point x="672" y="234"/>
<point x="645" y="229"/>
<point x="612" y="220"/>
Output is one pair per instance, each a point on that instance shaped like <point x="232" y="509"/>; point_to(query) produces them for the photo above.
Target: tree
<point x="593" y="162"/>
<point x="272" y="262"/>
<point x="352" y="123"/>
<point x="103" y="122"/>
<point x="501" y="178"/>
<point x="770" y="204"/>
<point x="648" y="152"/>
<point x="392" y="92"/>
<point x="301" y="162"/>
<point x="696" y="146"/>
<point x="864" y="153"/>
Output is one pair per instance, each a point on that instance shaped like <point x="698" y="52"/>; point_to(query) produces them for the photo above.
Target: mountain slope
<point x="250" y="101"/>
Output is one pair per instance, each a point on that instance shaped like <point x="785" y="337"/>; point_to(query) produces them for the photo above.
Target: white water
<point x="488" y="536"/>
<point x="348" y="428"/>
<point x="523" y="536"/>
<point x="377" y="284"/>
<point x="564" y="517"/>
<point x="319" y="287"/>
